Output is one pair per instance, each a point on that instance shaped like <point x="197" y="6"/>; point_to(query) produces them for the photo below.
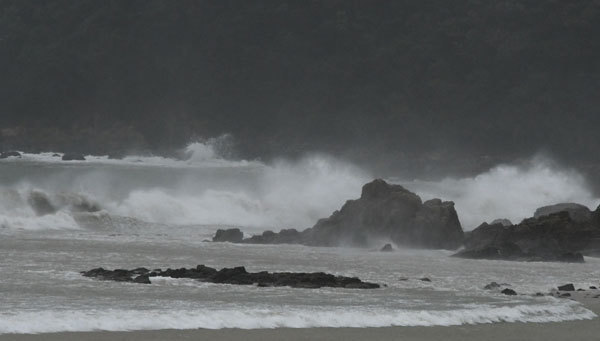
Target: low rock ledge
<point x="237" y="275"/>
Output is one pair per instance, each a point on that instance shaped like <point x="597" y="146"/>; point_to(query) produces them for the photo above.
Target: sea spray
<point x="511" y="191"/>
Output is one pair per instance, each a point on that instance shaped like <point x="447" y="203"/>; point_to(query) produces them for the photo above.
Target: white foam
<point x="278" y="317"/>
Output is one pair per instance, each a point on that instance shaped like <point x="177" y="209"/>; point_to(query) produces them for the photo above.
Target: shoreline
<point x="567" y="330"/>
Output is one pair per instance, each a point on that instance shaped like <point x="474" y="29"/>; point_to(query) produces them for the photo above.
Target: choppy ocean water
<point x="157" y="212"/>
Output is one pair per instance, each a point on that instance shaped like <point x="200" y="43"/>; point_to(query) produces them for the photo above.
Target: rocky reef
<point x="383" y="212"/>
<point x="237" y="275"/>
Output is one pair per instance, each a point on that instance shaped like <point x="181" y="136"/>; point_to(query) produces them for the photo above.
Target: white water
<point x="279" y="317"/>
<point x="509" y="191"/>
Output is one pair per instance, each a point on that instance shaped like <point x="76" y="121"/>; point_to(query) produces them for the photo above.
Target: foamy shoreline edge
<point x="568" y="330"/>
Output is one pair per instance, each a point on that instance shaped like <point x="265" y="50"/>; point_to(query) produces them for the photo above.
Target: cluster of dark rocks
<point x="561" y="233"/>
<point x="383" y="212"/>
<point x="561" y="291"/>
<point x="237" y="275"/>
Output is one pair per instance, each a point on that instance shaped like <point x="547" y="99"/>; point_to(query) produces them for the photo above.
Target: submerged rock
<point x="383" y="211"/>
<point x="73" y="157"/>
<point x="237" y="275"/>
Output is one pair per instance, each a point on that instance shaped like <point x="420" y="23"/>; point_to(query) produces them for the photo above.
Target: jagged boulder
<point x="386" y="211"/>
<point x="577" y="212"/>
<point x="383" y="212"/>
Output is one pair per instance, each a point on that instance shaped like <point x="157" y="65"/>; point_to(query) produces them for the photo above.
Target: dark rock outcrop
<point x="577" y="212"/>
<point x="567" y="287"/>
<point x="237" y="275"/>
<point x="556" y="237"/>
<point x="229" y="235"/>
<point x="73" y="157"/>
<point x="383" y="211"/>
<point x="509" y="292"/>
<point x="287" y="236"/>
<point x="5" y="155"/>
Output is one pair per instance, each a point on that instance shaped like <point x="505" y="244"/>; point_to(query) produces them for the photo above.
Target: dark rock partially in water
<point x="556" y="237"/>
<point x="383" y="211"/>
<point x="287" y="236"/>
<point x="237" y="275"/>
<point x="509" y="292"/>
<point x="73" y="157"/>
<point x="6" y="155"/>
<point x="567" y="287"/>
<point x="229" y="235"/>
<point x="387" y="248"/>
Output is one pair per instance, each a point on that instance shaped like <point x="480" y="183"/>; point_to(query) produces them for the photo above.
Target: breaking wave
<point x="280" y="317"/>
<point x="204" y="189"/>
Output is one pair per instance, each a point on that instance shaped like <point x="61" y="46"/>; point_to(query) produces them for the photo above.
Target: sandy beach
<point x="571" y="330"/>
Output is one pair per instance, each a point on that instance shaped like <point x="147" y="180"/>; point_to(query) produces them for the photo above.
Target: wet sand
<point x="571" y="330"/>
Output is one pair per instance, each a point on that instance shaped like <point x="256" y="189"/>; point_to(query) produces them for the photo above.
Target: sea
<point x="58" y="218"/>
